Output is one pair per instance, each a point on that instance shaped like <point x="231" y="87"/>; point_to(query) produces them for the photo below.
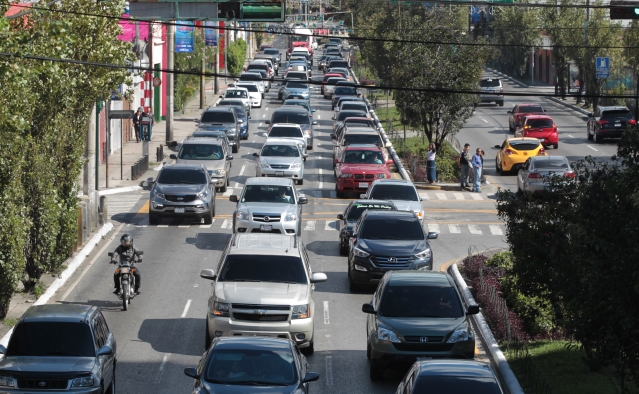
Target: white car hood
<point x="414" y="206"/>
<point x="261" y="293"/>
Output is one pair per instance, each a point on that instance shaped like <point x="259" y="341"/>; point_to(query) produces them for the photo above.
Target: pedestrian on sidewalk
<point x="476" y="162"/>
<point x="431" y="170"/>
<point x="464" y="164"/>
<point x="483" y="176"/>
<point x="137" y="117"/>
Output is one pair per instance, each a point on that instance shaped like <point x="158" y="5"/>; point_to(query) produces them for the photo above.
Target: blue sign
<point x="210" y="35"/>
<point x="184" y="37"/>
<point x="602" y="67"/>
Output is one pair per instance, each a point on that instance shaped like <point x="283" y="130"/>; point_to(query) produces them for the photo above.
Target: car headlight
<point x="217" y="172"/>
<point x="240" y="121"/>
<point x="360" y="253"/>
<point x="459" y="335"/>
<point x="424" y="254"/>
<point x="308" y="132"/>
<point x="230" y="132"/>
<point x="290" y="217"/>
<point x="220" y="309"/>
<point x="242" y="215"/>
<point x="295" y="166"/>
<point x="420" y="214"/>
<point x="301" y="145"/>
<point x="380" y="176"/>
<point x="386" y="334"/>
<point x="301" y="312"/>
<point x="85" y="381"/>
<point x="345" y="175"/>
<point x="202" y="194"/>
<point x="6" y="381"/>
<point x="264" y="165"/>
<point x="158" y="194"/>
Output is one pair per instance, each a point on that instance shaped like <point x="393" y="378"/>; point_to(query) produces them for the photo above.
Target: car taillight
<point x="632" y="122"/>
<point x="509" y="152"/>
<point x="501" y="90"/>
<point x="535" y="175"/>
<point x="541" y="152"/>
<point x="555" y="129"/>
<point x="569" y="175"/>
<point x="602" y="122"/>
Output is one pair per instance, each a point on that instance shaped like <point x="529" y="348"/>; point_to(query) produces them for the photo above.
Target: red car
<point x="520" y="111"/>
<point x="541" y="127"/>
<point x="358" y="166"/>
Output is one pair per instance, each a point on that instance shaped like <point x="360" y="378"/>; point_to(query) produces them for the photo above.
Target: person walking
<point x="464" y="165"/>
<point x="483" y="176"/>
<point x="137" y="118"/>
<point x="431" y="170"/>
<point x="476" y="162"/>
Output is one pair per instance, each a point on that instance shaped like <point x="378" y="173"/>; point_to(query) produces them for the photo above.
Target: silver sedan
<point x="280" y="157"/>
<point x="531" y="175"/>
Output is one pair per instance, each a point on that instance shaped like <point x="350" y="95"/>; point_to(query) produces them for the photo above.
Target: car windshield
<point x="359" y="122"/>
<point x="551" y="164"/>
<point x="539" y="123"/>
<point x="201" y="152"/>
<point x="363" y="157"/>
<point x="293" y="132"/>
<point x="524" y="145"/>
<point x="173" y="176"/>
<point x="394" y="192"/>
<point x="531" y="109"/>
<point x="357" y="210"/>
<point x="226" y="103"/>
<point x="251" y="367"/>
<point x="268" y="193"/>
<point x="281" y="151"/>
<point x="489" y="83"/>
<point x="250" y="77"/>
<point x="217" y="117"/>
<point x="263" y="268"/>
<point x="345" y="91"/>
<point x="456" y="385"/>
<point x="290" y="117"/>
<point x="296" y="85"/>
<point x="271" y="51"/>
<point x="350" y="114"/>
<point x="334" y="80"/>
<point x="250" y="88"/>
<point x="61" y="339"/>
<point x="239" y="111"/>
<point x="257" y="67"/>
<point x="351" y="139"/>
<point x="236" y="93"/>
<point x="354" y="105"/>
<point x="420" y="301"/>
<point x="407" y="228"/>
<point x="209" y="134"/>
<point x="620" y="114"/>
<point x="338" y="63"/>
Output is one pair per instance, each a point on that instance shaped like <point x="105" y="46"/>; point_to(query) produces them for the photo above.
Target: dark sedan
<point x="352" y="214"/>
<point x="252" y="365"/>
<point x="450" y="376"/>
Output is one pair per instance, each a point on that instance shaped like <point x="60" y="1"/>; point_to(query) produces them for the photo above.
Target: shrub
<point x="236" y="54"/>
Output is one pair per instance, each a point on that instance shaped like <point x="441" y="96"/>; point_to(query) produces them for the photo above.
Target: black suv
<point x="609" y="122"/>
<point x="222" y="118"/>
<point x="352" y="214"/>
<point x="387" y="240"/>
<point x="61" y="348"/>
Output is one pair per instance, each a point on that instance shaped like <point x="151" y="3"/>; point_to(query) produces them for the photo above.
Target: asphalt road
<point x="163" y="331"/>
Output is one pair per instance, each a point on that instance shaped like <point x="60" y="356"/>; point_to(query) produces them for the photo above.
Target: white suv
<point x="263" y="286"/>
<point x="254" y="93"/>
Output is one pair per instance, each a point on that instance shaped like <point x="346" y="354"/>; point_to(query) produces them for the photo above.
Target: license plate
<point x="279" y="173"/>
<point x="424" y="358"/>
<point x="266" y="227"/>
<point x="179" y="210"/>
<point x="363" y="185"/>
<point x="617" y="124"/>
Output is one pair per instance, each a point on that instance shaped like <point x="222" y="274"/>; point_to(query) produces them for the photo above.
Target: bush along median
<point x="412" y="152"/>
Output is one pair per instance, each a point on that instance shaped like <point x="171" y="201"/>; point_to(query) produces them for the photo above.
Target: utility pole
<point x="217" y="64"/>
<point x="151" y="71"/>
<point x="226" y="50"/>
<point x="203" y="68"/>
<point x="169" y="81"/>
<point x="88" y="173"/>
<point x="532" y="66"/>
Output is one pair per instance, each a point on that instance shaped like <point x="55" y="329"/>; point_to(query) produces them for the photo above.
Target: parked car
<point x="280" y="157"/>
<point x="384" y="241"/>
<point x="514" y="152"/>
<point x="401" y="192"/>
<point x="351" y="215"/>
<point x="530" y="177"/>
<point x="520" y="111"/>
<point x="241" y="364"/>
<point x="491" y="90"/>
<point x="182" y="191"/>
<point x="358" y="166"/>
<point x="416" y="314"/>
<point x="268" y="205"/>
<point x="212" y="154"/>
<point x="609" y="122"/>
<point x="541" y="127"/>
<point x="296" y="115"/>
<point x="62" y="348"/>
<point x="450" y="376"/>
<point x="225" y="119"/>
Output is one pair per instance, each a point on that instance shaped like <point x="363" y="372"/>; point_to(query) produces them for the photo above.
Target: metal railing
<point x="140" y="167"/>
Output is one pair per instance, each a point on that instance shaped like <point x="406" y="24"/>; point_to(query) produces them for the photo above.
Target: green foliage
<point x="10" y="322"/>
<point x="186" y="86"/>
<point x="501" y="260"/>
<point x="236" y="54"/>
<point x="259" y="34"/>
<point x="446" y="162"/>
<point x="517" y="28"/>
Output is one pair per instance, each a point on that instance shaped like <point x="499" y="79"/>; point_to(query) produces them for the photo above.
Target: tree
<point x="236" y="54"/>
<point x="631" y="52"/>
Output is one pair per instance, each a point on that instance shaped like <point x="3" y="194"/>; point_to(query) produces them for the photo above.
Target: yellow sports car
<point x="514" y="152"/>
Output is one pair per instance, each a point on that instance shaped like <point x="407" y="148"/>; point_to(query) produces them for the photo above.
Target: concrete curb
<point x="498" y="357"/>
<point x="439" y="187"/>
<point x="66" y="274"/>
<point x="125" y="189"/>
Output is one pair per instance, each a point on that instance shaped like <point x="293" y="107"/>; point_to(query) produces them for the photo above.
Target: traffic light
<point x="624" y="9"/>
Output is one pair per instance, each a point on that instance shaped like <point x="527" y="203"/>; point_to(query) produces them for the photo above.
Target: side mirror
<point x="340" y="216"/>
<point x="255" y="154"/>
<point x="172" y="156"/>
<point x="233" y="198"/>
<point x="369" y="308"/>
<point x="110" y="254"/>
<point x="208" y="274"/>
<point x="191" y="373"/>
<point x="267" y="121"/>
<point x="333" y="118"/>
<point x="472" y="309"/>
<point x="317" y="277"/>
<point x="432" y="235"/>
<point x="390" y="161"/>
<point x="314" y="123"/>
<point x="3" y="350"/>
<point x="139" y="253"/>
<point x="362" y="196"/>
<point x="509" y="112"/>
<point x="310" y="377"/>
<point x="359" y="94"/>
<point x="221" y="96"/>
<point x="302" y="200"/>
<point x="497" y="146"/>
<point x="149" y="180"/>
<point x="196" y="121"/>
<point x="248" y="117"/>
<point x="333" y="136"/>
<point x="229" y="157"/>
<point x="105" y="351"/>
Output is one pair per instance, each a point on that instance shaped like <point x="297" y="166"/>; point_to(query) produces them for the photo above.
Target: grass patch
<point x="38" y="290"/>
<point x="566" y="371"/>
<point x="10" y="322"/>
<point x="388" y="116"/>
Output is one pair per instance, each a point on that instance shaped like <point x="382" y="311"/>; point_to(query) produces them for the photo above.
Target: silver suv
<point x="268" y="205"/>
<point x="488" y="86"/>
<point x="211" y="153"/>
<point x="182" y="190"/>
<point x="62" y="348"/>
<point x="279" y="306"/>
<point x="222" y="118"/>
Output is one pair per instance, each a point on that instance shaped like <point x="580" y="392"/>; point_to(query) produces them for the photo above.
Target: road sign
<point x="602" y="67"/>
<point x="236" y="10"/>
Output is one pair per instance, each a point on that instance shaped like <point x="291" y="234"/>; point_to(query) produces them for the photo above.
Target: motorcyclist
<point x="126" y="252"/>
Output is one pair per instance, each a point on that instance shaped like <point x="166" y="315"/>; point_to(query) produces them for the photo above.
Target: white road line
<point x="592" y="148"/>
<point x="144" y="222"/>
<point x="328" y="226"/>
<point x="433" y="227"/>
<point x="474" y="229"/>
<point x="495" y="230"/>
<point x="441" y="196"/>
<point x="321" y="184"/>
<point x="158" y="378"/>
<point x="186" y="308"/>
<point x="329" y="370"/>
<point x="259" y="125"/>
<point x="424" y="195"/>
<point x="570" y="136"/>
<point x="458" y="196"/>
<point x="310" y="225"/>
<point x="263" y="115"/>
<point x="163" y="225"/>
<point x="226" y="223"/>
<point x="207" y="225"/>
<point x="228" y="192"/>
<point x="326" y="320"/>
<point x="185" y="225"/>
<point x="485" y="121"/>
<point x="267" y="108"/>
<point x="476" y="196"/>
<point x="454" y="229"/>
<point x="237" y="184"/>
<point x="333" y="194"/>
<point x="318" y="116"/>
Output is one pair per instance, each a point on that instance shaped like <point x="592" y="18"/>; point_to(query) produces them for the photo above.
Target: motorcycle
<point x="127" y="279"/>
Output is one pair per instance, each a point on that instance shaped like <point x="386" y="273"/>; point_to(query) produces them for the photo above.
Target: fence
<point x="140" y="167"/>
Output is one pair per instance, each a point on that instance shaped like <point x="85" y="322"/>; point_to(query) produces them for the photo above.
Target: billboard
<point x="210" y="35"/>
<point x="184" y="37"/>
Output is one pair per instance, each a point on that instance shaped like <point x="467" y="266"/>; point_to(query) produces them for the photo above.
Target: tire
<point x="307" y="351"/>
<point x="208" y="219"/>
<point x="368" y="350"/>
<point x="556" y="146"/>
<point x="111" y="388"/>
<point x="501" y="103"/>
<point x="300" y="181"/>
<point x="125" y="297"/>
<point x="207" y="337"/>
<point x="235" y="148"/>
<point x="213" y="211"/>
<point x="596" y="139"/>
<point x="153" y="219"/>
<point x="588" y="135"/>
<point x="279" y="96"/>
<point x="223" y="189"/>
<point x="352" y="286"/>
<point x="376" y="373"/>
<point x="501" y="170"/>
<point x="339" y="194"/>
<point x="343" y="249"/>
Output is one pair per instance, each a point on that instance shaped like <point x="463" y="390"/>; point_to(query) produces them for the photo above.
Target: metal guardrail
<point x="140" y="167"/>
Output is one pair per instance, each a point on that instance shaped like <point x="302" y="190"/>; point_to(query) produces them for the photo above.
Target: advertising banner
<point x="210" y="35"/>
<point x="184" y="37"/>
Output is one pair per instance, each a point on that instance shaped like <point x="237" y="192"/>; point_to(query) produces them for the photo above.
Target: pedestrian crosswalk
<point x="468" y="229"/>
<point x="121" y="205"/>
<point x="326" y="193"/>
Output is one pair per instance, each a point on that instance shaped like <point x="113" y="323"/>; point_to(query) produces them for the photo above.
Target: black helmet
<point x="126" y="240"/>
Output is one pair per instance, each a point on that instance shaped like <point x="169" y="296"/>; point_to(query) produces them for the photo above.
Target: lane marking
<point x="321" y="184"/>
<point x="592" y="148"/>
<point x="318" y="116"/>
<point x="186" y="308"/>
<point x="441" y="196"/>
<point x="433" y="227"/>
<point x="459" y="196"/>
<point x="424" y="195"/>
<point x="184" y="225"/>
<point x="485" y="121"/>
<point x="207" y="225"/>
<point x="329" y="370"/>
<point x="228" y="192"/>
<point x="310" y="225"/>
<point x="267" y="108"/>
<point x="328" y="227"/>
<point x="144" y="208"/>
<point x="454" y="229"/>
<point x="237" y="183"/>
<point x="570" y="136"/>
<point x="474" y="229"/>
<point x="226" y="223"/>
<point x="495" y="230"/>
<point x="259" y="125"/>
<point x="163" y="225"/>
<point x="326" y="319"/>
<point x="158" y="378"/>
<point x="263" y="115"/>
<point x="476" y="196"/>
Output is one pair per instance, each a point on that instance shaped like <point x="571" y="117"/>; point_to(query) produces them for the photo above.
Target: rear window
<point x="456" y="384"/>
<point x="250" y="77"/>
<point x="530" y="109"/>
<point x="258" y="67"/>
<point x="271" y="51"/>
<point x="359" y="123"/>
<point x="296" y="85"/>
<point x="357" y="210"/>
<point x="489" y="83"/>
<point x="334" y="80"/>
<point x="260" y="268"/>
<point x="537" y="123"/>
<point x="297" y="118"/>
<point x="354" y="105"/>
<point x="250" y="88"/>
<point x="421" y="301"/>
<point x="524" y="145"/>
<point x="394" y="192"/>
<point x="236" y="94"/>
<point x="349" y="114"/>
<point x="286" y="132"/>
<point x="338" y="63"/>
<point x="351" y="139"/>
<point x="392" y="228"/>
<point x="346" y="91"/>
<point x="297" y="75"/>
<point x="41" y="339"/>
<point x="552" y="164"/>
<point x="218" y="117"/>
<point x="617" y="114"/>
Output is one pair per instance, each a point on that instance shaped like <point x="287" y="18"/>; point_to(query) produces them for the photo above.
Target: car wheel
<point x="213" y="209"/>
<point x="235" y="148"/>
<point x="589" y="135"/>
<point x="111" y="389"/>
<point x="501" y="170"/>
<point x="596" y="138"/>
<point x="376" y="373"/>
<point x="338" y="193"/>
<point x="368" y="350"/>
<point x="352" y="286"/>
<point x="207" y="339"/>
<point x="556" y="146"/>
<point x="501" y="103"/>
<point x="343" y="249"/>
<point x="279" y="96"/>
<point x="153" y="219"/>
<point x="300" y="181"/>
<point x="223" y="189"/>
<point x="208" y="218"/>
<point x="307" y="351"/>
